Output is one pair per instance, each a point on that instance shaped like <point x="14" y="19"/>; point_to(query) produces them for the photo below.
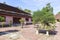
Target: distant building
<point x="13" y="14"/>
<point x="57" y="17"/>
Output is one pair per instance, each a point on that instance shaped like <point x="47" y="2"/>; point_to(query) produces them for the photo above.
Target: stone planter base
<point x="47" y="32"/>
<point x="37" y="32"/>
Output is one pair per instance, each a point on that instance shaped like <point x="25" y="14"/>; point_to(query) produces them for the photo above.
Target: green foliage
<point x="58" y="12"/>
<point x="44" y="16"/>
<point x="2" y="19"/>
<point x="36" y="16"/>
<point x="22" y="22"/>
<point x="48" y="16"/>
<point x="27" y="10"/>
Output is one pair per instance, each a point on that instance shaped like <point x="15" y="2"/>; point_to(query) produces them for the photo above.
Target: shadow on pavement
<point x="7" y="32"/>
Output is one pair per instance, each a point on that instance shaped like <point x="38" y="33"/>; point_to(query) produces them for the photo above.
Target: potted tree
<point x="22" y="22"/>
<point x="45" y="17"/>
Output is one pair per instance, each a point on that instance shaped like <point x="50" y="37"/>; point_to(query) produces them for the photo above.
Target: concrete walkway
<point x="29" y="33"/>
<point x="57" y="37"/>
<point x="26" y="33"/>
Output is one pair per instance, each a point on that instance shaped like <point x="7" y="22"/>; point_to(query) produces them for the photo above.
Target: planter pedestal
<point x="36" y="31"/>
<point x="47" y="33"/>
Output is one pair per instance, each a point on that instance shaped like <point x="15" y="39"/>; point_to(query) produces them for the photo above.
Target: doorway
<point x="16" y="20"/>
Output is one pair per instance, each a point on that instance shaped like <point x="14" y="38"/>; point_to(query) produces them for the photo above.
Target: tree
<point x="2" y="20"/>
<point x="58" y="12"/>
<point x="48" y="16"/>
<point x="27" y="10"/>
<point x="22" y="22"/>
<point x="37" y="15"/>
<point x="44" y="16"/>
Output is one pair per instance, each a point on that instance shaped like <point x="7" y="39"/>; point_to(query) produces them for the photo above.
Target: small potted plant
<point x="22" y="22"/>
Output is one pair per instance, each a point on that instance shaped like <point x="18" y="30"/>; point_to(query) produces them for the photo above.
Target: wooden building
<point x="57" y="17"/>
<point x="13" y="14"/>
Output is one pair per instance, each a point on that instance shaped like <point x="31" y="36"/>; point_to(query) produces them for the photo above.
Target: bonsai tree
<point x="48" y="17"/>
<point x="45" y="17"/>
<point x="22" y="22"/>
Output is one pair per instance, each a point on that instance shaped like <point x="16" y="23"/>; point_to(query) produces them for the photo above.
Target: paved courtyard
<point x="27" y="33"/>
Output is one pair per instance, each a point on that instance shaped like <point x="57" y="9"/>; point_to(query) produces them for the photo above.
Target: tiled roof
<point x="10" y="8"/>
<point x="13" y="9"/>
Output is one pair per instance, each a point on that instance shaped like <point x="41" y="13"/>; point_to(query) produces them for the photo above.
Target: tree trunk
<point x="22" y="25"/>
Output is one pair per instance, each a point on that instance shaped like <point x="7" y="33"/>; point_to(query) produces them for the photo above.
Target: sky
<point x="33" y="4"/>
